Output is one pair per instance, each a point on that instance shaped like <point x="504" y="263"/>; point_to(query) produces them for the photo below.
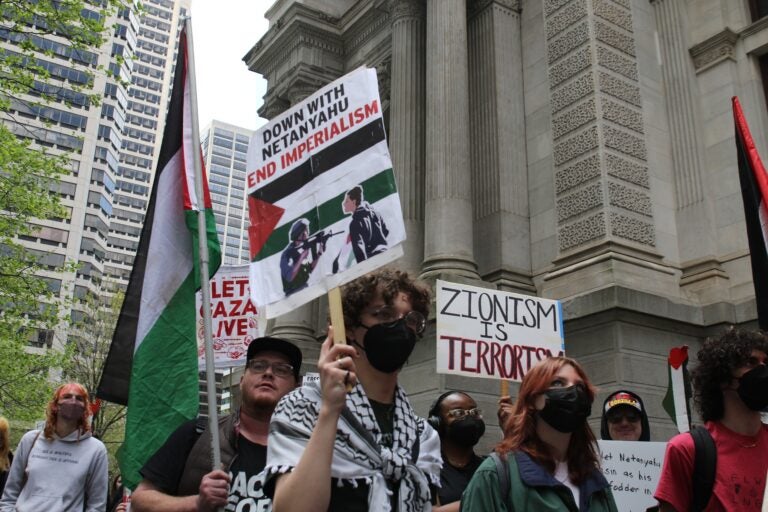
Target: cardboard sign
<point x="234" y="318"/>
<point x="483" y="332"/>
<point x="322" y="200"/>
<point x="633" y="469"/>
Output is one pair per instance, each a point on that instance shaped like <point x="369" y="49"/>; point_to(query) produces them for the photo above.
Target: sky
<point x="223" y="32"/>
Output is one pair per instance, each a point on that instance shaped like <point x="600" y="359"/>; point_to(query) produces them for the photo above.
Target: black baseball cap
<point x="279" y="345"/>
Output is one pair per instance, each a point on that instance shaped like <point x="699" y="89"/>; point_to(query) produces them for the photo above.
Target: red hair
<point x="51" y="411"/>
<point x="520" y="427"/>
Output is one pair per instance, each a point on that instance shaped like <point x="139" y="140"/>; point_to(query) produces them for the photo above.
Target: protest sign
<point x="483" y="332"/>
<point x="322" y="200"/>
<point x="632" y="468"/>
<point x="234" y="319"/>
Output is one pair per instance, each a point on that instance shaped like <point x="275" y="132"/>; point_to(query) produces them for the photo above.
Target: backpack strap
<point x="502" y="470"/>
<point x="704" y="468"/>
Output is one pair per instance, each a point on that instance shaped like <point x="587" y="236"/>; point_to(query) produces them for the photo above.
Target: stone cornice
<point x="365" y="28"/>
<point x="298" y="21"/>
<point x="754" y="28"/>
<point x="477" y="6"/>
<point x="714" y="50"/>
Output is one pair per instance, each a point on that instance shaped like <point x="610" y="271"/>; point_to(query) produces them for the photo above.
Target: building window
<point x="758" y="9"/>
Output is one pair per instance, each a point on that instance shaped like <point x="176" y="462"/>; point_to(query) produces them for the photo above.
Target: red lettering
<point x="229" y="288"/>
<point x="251" y="179"/>
<point x="372" y="108"/>
<point x="507" y="370"/>
<point x="451" y="351"/>
<point x="219" y="310"/>
<point x="466" y="354"/>
<point x="496" y="357"/>
<point x="482" y="353"/>
<point x="242" y="326"/>
<point x="249" y="308"/>
<point x="265" y="172"/>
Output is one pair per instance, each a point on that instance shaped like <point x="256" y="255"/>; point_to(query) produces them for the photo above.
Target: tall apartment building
<point x="146" y="104"/>
<point x="113" y="146"/>
<point x="224" y="148"/>
<point x="581" y="150"/>
<point x="91" y="135"/>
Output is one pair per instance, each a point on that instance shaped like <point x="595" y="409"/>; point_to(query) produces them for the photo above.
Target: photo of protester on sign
<point x="487" y="333"/>
<point x="234" y="318"/>
<point x="322" y="201"/>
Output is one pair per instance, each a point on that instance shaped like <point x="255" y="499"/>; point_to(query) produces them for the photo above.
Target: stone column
<point x="407" y="114"/>
<point x="448" y="216"/>
<point x="497" y="145"/>
<point x="702" y="272"/>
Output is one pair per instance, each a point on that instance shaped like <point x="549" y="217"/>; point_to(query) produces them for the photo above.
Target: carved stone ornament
<point x="406" y="9"/>
<point x="714" y="50"/>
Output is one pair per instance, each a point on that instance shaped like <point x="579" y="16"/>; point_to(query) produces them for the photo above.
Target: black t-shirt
<point x="165" y="468"/>
<point x="246" y="493"/>
<point x="454" y="480"/>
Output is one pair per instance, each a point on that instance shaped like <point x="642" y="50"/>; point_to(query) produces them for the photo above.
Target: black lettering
<point x="456" y="293"/>
<point x="488" y="313"/>
<point x="552" y="309"/>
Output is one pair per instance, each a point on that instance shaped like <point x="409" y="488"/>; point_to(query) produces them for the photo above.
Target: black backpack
<point x="704" y="469"/>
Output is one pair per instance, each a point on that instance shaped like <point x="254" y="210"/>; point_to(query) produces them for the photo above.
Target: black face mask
<point x="753" y="388"/>
<point x="566" y="409"/>
<point x="466" y="432"/>
<point x="388" y="346"/>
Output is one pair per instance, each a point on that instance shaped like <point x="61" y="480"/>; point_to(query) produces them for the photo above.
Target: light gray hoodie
<point x="63" y="474"/>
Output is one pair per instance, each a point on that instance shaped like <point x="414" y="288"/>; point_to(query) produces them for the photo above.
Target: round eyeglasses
<point x="463" y="413"/>
<point x="259" y="366"/>
<point x="388" y="315"/>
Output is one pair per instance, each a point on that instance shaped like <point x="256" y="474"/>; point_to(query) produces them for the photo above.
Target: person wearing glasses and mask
<point x="624" y="418"/>
<point x="61" y="467"/>
<point x="548" y="453"/>
<point x="353" y="442"/>
<point x="459" y="423"/>
<point x="179" y="476"/>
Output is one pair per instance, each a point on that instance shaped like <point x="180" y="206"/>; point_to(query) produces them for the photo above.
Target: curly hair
<point x="358" y="294"/>
<point x="51" y="411"/>
<point x="520" y="427"/>
<point x="718" y="359"/>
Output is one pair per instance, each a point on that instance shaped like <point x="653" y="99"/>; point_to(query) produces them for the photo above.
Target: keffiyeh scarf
<point x="358" y="451"/>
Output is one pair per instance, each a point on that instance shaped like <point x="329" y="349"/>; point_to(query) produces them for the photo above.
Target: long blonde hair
<point x="5" y="447"/>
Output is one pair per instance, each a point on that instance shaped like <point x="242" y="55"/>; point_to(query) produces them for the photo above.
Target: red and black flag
<point x="754" y="190"/>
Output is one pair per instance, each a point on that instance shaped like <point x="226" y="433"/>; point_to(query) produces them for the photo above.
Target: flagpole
<point x="210" y="376"/>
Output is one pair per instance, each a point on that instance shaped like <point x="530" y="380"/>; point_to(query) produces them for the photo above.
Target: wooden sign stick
<point x="337" y="316"/>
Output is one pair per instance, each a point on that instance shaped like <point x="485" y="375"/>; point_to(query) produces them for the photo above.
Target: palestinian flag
<point x="754" y="191"/>
<point x="152" y="363"/>
<point x="679" y="390"/>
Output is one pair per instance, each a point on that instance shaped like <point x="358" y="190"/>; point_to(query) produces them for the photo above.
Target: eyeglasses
<point x="630" y="416"/>
<point x="259" y="366"/>
<point x="463" y="413"/>
<point x="388" y="315"/>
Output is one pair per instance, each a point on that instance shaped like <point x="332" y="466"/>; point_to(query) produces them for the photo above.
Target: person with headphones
<point x="459" y="423"/>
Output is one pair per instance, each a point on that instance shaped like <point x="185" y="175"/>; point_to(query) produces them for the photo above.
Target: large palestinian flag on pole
<point x="152" y="363"/>
<point x="754" y="191"/>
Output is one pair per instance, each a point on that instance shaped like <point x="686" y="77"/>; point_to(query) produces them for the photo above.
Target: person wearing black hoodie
<point x="624" y="418"/>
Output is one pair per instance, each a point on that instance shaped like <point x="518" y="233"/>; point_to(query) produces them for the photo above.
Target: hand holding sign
<point x="337" y="373"/>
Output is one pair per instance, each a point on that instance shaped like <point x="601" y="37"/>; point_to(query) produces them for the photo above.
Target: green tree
<point x="89" y="342"/>
<point x="29" y="178"/>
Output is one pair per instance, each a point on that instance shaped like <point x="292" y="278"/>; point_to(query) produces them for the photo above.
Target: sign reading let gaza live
<point x="322" y="201"/>
<point x="234" y="319"/>
<point x="498" y="335"/>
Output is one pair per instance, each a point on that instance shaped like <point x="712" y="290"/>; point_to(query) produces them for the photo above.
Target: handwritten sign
<point x="632" y="468"/>
<point x="234" y="318"/>
<point x="483" y="332"/>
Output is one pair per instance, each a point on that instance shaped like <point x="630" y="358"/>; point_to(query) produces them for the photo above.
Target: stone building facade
<point x="580" y="150"/>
